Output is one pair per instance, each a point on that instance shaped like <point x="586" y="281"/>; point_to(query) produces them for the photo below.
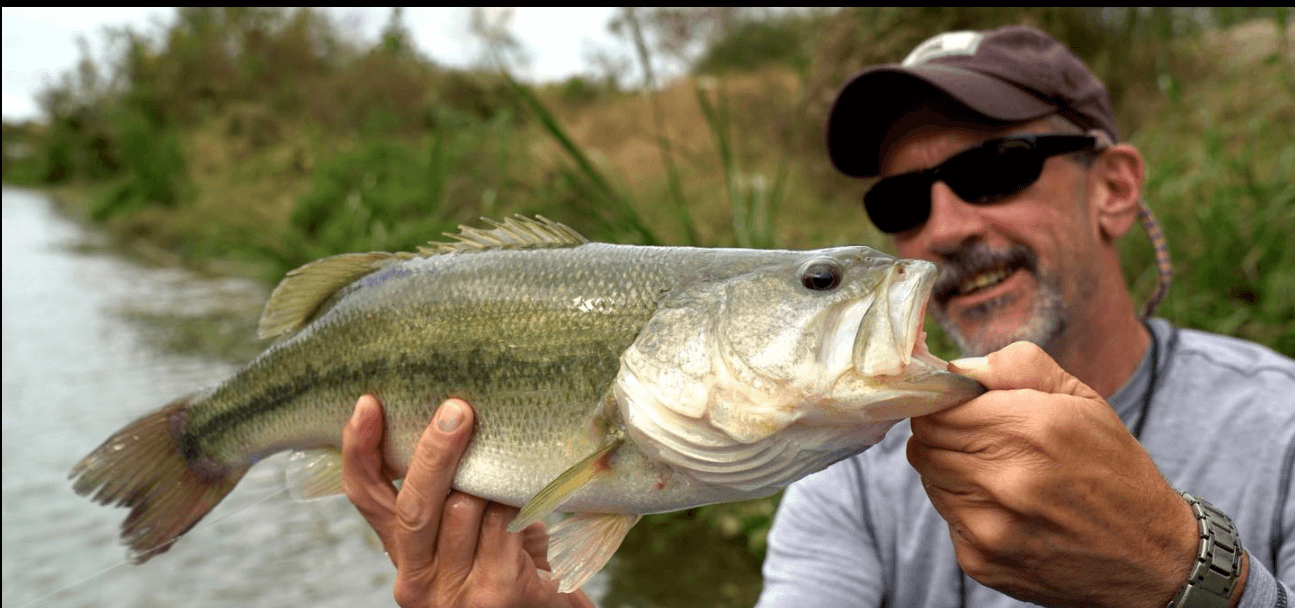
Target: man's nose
<point x="954" y="222"/>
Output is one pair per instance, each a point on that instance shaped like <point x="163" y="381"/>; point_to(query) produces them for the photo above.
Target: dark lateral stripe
<point x="475" y="373"/>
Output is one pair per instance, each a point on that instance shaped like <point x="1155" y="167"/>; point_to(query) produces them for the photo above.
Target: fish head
<point x="849" y="310"/>
<point x="759" y="378"/>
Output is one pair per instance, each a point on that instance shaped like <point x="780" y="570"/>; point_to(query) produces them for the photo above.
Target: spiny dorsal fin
<point x="298" y="297"/>
<point x="517" y="232"/>
<point x="300" y="294"/>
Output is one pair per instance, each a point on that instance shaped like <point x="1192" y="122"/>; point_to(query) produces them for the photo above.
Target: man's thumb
<point x="1021" y="365"/>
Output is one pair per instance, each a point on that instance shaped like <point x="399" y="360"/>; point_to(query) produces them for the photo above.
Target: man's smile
<point x="982" y="281"/>
<point x="986" y="293"/>
<point x="976" y="268"/>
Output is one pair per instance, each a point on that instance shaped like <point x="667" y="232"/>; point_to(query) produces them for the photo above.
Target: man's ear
<point x="1115" y="183"/>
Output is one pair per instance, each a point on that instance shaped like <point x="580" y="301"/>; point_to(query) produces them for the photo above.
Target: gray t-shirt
<point x="1221" y="426"/>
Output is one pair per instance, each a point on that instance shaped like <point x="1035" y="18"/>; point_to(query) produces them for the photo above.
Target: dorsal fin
<point x="517" y="232"/>
<point x="300" y="294"/>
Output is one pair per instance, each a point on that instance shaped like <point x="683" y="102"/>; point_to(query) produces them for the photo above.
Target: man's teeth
<point x="982" y="281"/>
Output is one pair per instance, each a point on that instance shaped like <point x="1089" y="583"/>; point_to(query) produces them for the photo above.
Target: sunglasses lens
<point x="990" y="174"/>
<point x="898" y="203"/>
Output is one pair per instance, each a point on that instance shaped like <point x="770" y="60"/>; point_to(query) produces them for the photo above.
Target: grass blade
<point x="717" y="119"/>
<point x="587" y="169"/>
<point x="658" y="118"/>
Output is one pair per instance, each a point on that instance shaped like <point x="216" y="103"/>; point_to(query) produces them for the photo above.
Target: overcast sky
<point x="40" y="43"/>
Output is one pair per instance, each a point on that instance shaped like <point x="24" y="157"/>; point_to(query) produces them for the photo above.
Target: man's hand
<point x="450" y="549"/>
<point x="1048" y="497"/>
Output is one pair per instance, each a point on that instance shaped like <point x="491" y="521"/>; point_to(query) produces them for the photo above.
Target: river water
<point x="80" y="360"/>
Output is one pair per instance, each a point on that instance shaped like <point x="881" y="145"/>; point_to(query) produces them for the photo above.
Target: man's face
<point x="1020" y="269"/>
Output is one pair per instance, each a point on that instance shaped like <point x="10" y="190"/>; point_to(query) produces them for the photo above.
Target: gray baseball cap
<point x="1010" y="74"/>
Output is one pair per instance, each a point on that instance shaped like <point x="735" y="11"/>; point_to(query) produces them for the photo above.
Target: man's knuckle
<point x="411" y="508"/>
<point x="1031" y="351"/>
<point x="357" y="492"/>
<point x="913" y="451"/>
<point x="972" y="562"/>
<point x="976" y="567"/>
<point x="990" y="536"/>
<point x="492" y="592"/>
<point x="458" y="506"/>
<point x="434" y="458"/>
<point x="411" y="592"/>
<point x="496" y="515"/>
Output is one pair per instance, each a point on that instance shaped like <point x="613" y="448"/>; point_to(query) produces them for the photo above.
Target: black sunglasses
<point x="982" y="175"/>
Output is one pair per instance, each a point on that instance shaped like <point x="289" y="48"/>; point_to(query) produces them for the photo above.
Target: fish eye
<point x="821" y="275"/>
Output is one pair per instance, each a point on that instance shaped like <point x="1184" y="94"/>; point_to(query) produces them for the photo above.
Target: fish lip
<point x="904" y="293"/>
<point x="920" y="353"/>
<point x="917" y="316"/>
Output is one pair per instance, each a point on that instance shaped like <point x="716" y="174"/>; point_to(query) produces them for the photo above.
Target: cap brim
<point x="871" y="102"/>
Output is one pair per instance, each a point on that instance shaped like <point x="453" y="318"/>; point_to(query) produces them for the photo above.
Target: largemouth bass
<point x="608" y="381"/>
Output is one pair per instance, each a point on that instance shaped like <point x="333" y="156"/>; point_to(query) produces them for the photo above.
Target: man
<point x="1061" y="485"/>
<point x="1040" y="494"/>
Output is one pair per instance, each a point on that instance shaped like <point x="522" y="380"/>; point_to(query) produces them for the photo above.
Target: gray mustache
<point x="971" y="260"/>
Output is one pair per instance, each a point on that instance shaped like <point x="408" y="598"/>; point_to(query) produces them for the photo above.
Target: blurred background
<point x="174" y="166"/>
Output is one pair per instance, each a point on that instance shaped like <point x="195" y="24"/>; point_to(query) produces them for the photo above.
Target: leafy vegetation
<point x="260" y="139"/>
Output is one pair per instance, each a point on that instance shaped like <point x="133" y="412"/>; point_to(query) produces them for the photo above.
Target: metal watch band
<point x="1218" y="560"/>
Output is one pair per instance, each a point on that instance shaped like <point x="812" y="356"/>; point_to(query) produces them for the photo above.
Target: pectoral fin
<point x="580" y="545"/>
<point x="561" y="488"/>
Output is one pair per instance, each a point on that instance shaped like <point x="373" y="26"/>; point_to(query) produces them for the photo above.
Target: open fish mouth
<point x="920" y="353"/>
<point x="914" y="334"/>
<point x="889" y="333"/>
<point x="918" y="350"/>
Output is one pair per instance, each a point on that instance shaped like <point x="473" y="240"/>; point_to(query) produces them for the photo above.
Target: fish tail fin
<point x="149" y="466"/>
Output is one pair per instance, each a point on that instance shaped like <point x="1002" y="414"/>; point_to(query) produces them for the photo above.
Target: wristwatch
<point x="1218" y="560"/>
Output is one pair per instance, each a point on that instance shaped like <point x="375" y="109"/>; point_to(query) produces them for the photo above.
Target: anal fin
<point x="580" y="545"/>
<point x="315" y="473"/>
<point x="558" y="490"/>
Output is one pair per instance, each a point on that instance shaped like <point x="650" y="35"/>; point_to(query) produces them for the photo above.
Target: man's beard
<point x="1044" y="323"/>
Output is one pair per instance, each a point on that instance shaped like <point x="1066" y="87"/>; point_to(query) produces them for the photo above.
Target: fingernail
<point x="448" y="416"/>
<point x="970" y="363"/>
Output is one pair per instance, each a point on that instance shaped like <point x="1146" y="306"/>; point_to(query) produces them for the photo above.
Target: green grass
<point x="1219" y="166"/>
